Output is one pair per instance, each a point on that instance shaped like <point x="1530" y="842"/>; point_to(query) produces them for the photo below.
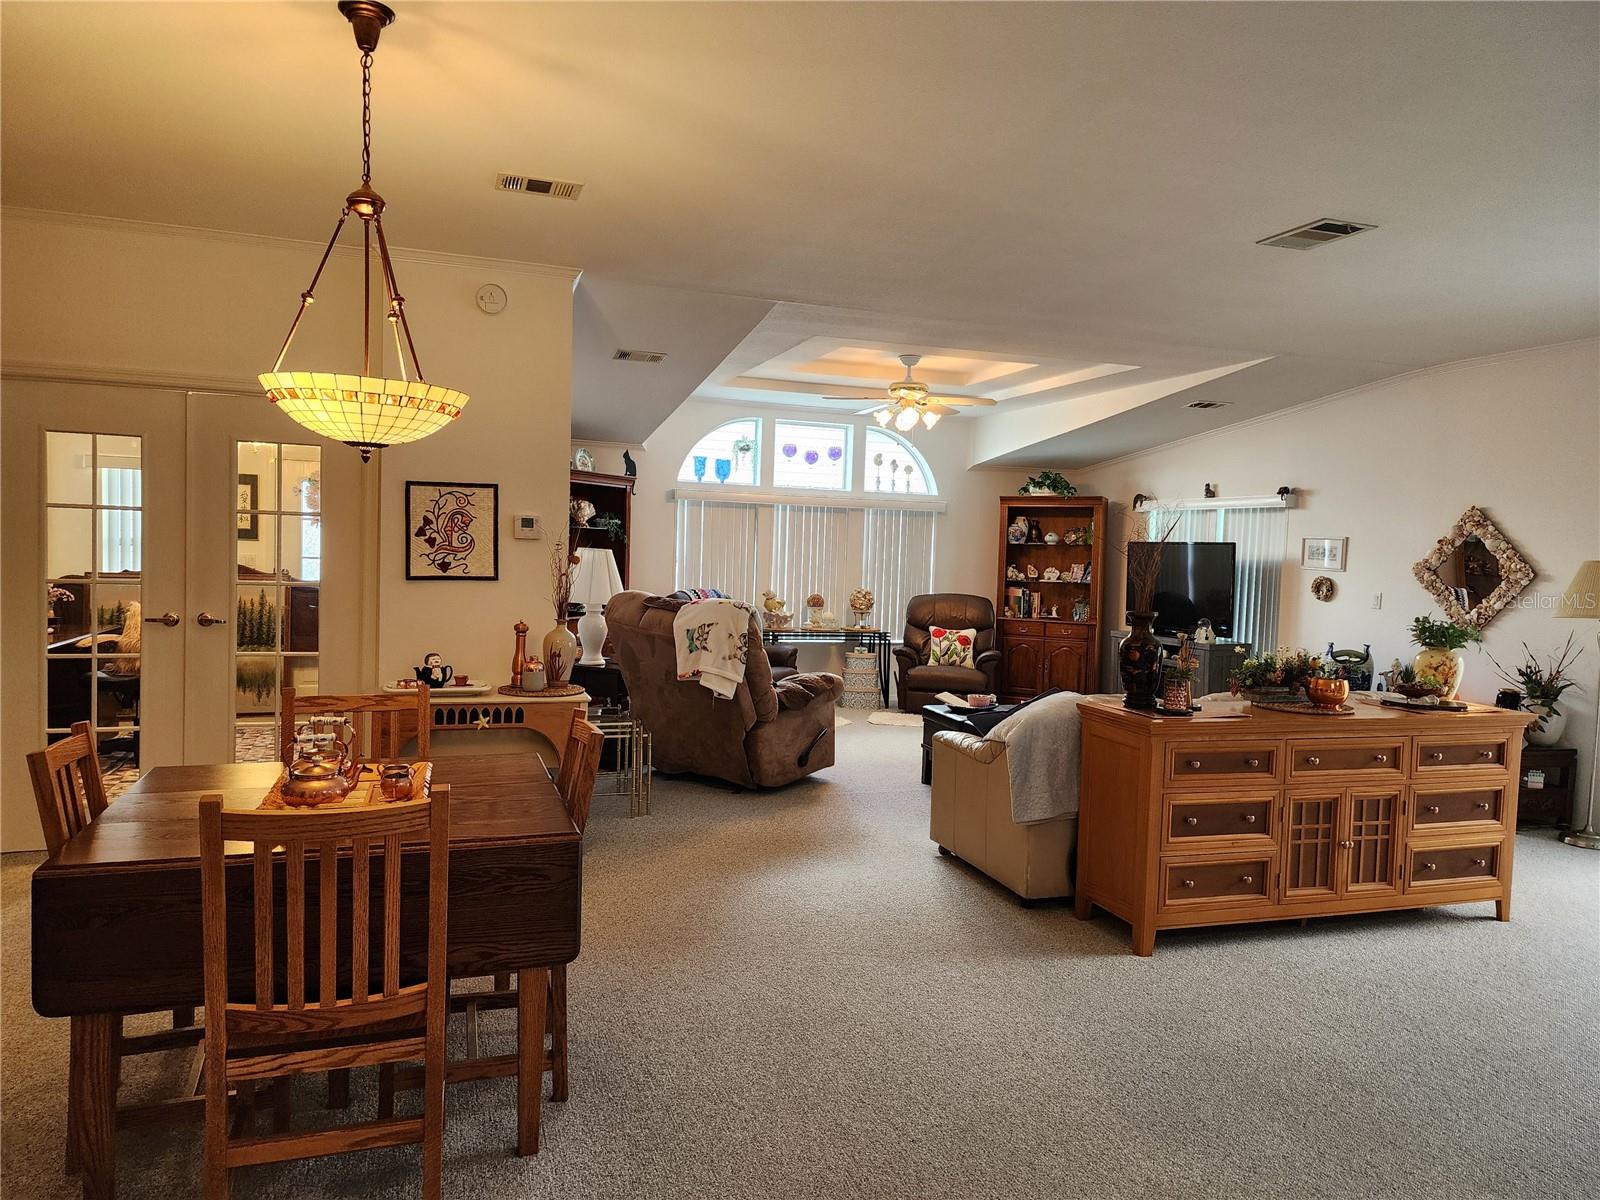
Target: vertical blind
<point x="1260" y="538"/>
<point x="122" y="528"/>
<point x="717" y="547"/>
<point x="810" y="553"/>
<point x="896" y="561"/>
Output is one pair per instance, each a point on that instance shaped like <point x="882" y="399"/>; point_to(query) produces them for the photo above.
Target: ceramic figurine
<point x="1204" y="634"/>
<point x="1034" y="534"/>
<point x="1053" y="613"/>
<point x="434" y="671"/>
<point x="629" y="467"/>
<point x="1052" y="538"/>
<point x="1032" y="571"/>
<point x="1051" y="574"/>
<point x="1013" y="574"/>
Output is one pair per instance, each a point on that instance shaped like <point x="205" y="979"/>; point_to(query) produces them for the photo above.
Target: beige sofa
<point x="971" y="819"/>
<point x="765" y="736"/>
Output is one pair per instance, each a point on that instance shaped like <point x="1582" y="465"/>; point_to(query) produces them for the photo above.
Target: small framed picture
<point x="248" y="522"/>
<point x="1323" y="554"/>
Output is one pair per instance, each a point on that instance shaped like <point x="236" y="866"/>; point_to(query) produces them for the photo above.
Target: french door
<point x="193" y="555"/>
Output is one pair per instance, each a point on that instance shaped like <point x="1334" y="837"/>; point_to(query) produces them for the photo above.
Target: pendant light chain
<point x="366" y="119"/>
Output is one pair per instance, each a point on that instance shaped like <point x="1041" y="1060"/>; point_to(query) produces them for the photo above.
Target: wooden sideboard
<point x="1271" y="816"/>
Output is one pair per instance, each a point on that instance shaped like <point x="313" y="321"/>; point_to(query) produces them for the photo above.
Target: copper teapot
<point x="326" y="770"/>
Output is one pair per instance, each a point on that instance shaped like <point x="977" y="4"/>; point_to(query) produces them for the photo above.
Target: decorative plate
<point x="1306" y="708"/>
<point x="582" y="459"/>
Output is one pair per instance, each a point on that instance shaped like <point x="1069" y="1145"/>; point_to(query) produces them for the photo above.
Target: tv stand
<point x="1218" y="660"/>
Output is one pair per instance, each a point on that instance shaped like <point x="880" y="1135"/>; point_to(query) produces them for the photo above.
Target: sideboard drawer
<point x="1439" y="865"/>
<point x="1215" y="883"/>
<point x="1222" y="763"/>
<point x="1431" y="808"/>
<point x="1073" y="631"/>
<point x="1437" y="753"/>
<point x="1194" y="822"/>
<point x="1313" y="759"/>
<point x="1015" y="628"/>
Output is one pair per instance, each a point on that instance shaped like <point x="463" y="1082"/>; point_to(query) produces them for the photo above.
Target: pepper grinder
<point x="520" y="654"/>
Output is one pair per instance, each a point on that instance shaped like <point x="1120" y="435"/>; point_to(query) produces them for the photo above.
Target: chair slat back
<point x="67" y="785"/>
<point x="283" y="1001"/>
<point x="580" y="762"/>
<point x="379" y="720"/>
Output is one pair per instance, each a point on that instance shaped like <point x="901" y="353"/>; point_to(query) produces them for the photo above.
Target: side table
<point x="1551" y="802"/>
<point x="604" y="683"/>
<point x="941" y="717"/>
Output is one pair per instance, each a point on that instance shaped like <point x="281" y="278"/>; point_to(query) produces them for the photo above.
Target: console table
<point x="1271" y="816"/>
<point x="879" y="640"/>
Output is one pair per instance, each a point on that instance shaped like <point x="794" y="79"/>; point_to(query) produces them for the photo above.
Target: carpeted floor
<point x="793" y="995"/>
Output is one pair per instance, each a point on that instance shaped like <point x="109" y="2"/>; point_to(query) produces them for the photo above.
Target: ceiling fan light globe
<point x="930" y="419"/>
<point x="883" y="416"/>
<point x="906" y="420"/>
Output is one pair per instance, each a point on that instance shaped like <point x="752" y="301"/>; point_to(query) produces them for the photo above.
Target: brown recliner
<point x="921" y="683"/>
<point x="763" y="736"/>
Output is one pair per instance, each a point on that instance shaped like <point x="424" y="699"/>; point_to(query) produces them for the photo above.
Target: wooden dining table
<point x="116" y="916"/>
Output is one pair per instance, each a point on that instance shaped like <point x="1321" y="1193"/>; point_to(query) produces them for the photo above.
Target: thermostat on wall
<point x="526" y="526"/>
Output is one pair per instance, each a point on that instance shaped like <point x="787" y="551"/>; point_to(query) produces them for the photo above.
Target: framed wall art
<point x="452" y="530"/>
<point x="1323" y="554"/>
<point x="248" y="523"/>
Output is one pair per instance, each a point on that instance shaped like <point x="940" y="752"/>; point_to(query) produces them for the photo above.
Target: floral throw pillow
<point x="950" y="647"/>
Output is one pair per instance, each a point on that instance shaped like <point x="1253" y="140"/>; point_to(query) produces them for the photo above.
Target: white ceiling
<point x="1075" y="183"/>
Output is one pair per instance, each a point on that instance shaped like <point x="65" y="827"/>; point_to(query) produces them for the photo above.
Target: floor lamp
<point x="1582" y="599"/>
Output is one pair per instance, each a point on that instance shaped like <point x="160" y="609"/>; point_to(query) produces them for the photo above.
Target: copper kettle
<point x="323" y="774"/>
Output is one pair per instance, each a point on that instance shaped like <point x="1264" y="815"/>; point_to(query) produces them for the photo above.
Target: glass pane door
<point x="94" y="552"/>
<point x="277" y="592"/>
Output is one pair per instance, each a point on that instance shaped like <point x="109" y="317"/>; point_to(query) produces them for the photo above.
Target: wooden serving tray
<point x="367" y="789"/>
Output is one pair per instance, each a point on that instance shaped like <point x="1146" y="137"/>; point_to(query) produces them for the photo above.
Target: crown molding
<point x="60" y="372"/>
<point x="44" y="216"/>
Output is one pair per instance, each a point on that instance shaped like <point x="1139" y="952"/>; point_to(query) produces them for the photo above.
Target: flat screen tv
<point x="1196" y="580"/>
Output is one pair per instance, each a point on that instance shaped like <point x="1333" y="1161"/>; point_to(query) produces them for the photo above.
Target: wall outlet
<point x="1377" y="599"/>
<point x="527" y="526"/>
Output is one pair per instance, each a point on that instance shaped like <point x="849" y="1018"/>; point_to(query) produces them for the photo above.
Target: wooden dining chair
<point x="70" y="792"/>
<point x="379" y="720"/>
<point x="576" y="785"/>
<point x="354" y="1015"/>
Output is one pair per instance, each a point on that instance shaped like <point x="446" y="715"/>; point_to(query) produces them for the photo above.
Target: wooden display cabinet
<point x="610" y="494"/>
<point x="1038" y="651"/>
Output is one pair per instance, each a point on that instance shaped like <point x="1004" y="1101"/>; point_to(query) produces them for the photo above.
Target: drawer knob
<point x="1482" y="805"/>
<point x="1194" y="764"/>
<point x="1249" y="818"/>
<point x="1485" y="753"/>
<point x="1188" y="883"/>
<point x="1191" y="820"/>
<point x="1428" y="866"/>
<point x="1247" y="879"/>
<point x="1252" y="762"/>
<point x="1437" y="756"/>
<point x="1313" y="761"/>
<point x="1480" y="862"/>
<point x="1433" y="808"/>
<point x="1382" y="758"/>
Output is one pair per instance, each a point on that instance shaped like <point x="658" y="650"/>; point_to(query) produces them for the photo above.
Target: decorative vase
<point x="1448" y="665"/>
<point x="1546" y="731"/>
<point x="560" y="652"/>
<point x="1177" y="695"/>
<point x="1139" y="661"/>
<point x="1328" y="693"/>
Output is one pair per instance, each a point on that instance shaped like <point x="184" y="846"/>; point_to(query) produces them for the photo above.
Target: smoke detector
<point x="639" y="356"/>
<point x="1314" y="234"/>
<point x="556" y="189"/>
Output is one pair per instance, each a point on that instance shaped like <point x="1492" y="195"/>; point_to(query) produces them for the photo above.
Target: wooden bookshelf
<point x="611" y="494"/>
<point x="1039" y="651"/>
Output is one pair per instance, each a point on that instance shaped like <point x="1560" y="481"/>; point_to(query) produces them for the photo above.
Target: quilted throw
<point x="950" y="647"/>
<point x="713" y="643"/>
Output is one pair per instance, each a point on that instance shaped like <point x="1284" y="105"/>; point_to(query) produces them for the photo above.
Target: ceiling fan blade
<point x="867" y="399"/>
<point x="975" y="401"/>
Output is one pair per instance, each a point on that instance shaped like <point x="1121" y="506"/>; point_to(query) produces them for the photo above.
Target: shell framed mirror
<point x="1474" y="571"/>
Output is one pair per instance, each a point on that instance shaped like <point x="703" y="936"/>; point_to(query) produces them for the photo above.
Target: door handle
<point x="169" y="619"/>
<point x="206" y="619"/>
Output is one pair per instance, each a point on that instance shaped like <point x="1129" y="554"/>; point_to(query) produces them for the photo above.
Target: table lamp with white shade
<point x="1582" y="599"/>
<point x="594" y="581"/>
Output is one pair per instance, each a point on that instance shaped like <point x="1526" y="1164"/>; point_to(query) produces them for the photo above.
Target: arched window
<point x="728" y="454"/>
<point x="893" y="465"/>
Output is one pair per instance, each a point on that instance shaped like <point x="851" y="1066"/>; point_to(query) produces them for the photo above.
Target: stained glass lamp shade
<point x="363" y="410"/>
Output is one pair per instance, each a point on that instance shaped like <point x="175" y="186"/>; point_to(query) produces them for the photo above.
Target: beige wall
<point x="1391" y="466"/>
<point x="175" y="309"/>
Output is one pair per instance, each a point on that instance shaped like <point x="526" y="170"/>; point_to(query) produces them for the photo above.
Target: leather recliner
<point x="764" y="736"/>
<point x="919" y="682"/>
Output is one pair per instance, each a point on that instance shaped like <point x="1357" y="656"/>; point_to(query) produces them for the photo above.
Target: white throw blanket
<point x="712" y="640"/>
<point x="1043" y="746"/>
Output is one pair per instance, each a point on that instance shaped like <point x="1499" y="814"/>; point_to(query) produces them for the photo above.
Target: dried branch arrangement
<point x="562" y="561"/>
<point x="1144" y="567"/>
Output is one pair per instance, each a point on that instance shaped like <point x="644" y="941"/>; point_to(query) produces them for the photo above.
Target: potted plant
<point x="1440" y="655"/>
<point x="1048" y="483"/>
<point x="1542" y="685"/>
<point x="1328" y="685"/>
<point x="1278" y="678"/>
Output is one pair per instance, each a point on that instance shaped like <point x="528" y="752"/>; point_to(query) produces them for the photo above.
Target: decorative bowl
<point x="1416" y="691"/>
<point x="1328" y="693"/>
<point x="981" y="699"/>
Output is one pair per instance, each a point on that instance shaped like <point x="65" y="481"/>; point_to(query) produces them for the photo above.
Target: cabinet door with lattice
<point x="1311" y="835"/>
<point x="1370" y="845"/>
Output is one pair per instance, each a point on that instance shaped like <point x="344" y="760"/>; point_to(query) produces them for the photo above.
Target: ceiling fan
<point x="910" y="401"/>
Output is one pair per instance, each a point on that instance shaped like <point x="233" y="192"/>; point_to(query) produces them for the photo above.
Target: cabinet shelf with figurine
<point x="1048" y="597"/>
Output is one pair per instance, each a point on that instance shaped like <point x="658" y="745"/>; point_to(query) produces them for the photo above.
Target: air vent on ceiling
<point x="639" y="356"/>
<point x="1317" y="233"/>
<point x="556" y="189"/>
<point x="1207" y="404"/>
